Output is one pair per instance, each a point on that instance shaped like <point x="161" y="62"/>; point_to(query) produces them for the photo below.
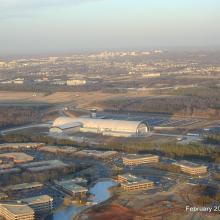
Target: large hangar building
<point x="110" y="127"/>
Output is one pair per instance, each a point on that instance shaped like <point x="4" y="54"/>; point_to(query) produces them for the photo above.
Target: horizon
<point x="33" y="28"/>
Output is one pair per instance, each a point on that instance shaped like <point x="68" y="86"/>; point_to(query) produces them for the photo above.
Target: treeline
<point x="48" y="88"/>
<point x="167" y="167"/>
<point x="19" y="115"/>
<point x="207" y="194"/>
<point x="213" y="139"/>
<point x="182" y="105"/>
<point x="188" y="151"/>
<point x="217" y="177"/>
<point x="21" y="138"/>
<point x="43" y="176"/>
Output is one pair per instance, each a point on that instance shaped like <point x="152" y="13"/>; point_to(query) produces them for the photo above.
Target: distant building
<point x="97" y="154"/>
<point x="22" y="186"/>
<point x="191" y="168"/>
<point x="41" y="166"/>
<point x="75" y="82"/>
<point x="18" y="157"/>
<point x="131" y="182"/>
<point x="9" y="146"/>
<point x="3" y="64"/>
<point x="134" y="159"/>
<point x="151" y="75"/>
<point x="40" y="204"/>
<point x="57" y="150"/>
<point x="16" y="211"/>
<point x="3" y="196"/>
<point x="58" y="82"/>
<point x="9" y="171"/>
<point x="18" y="81"/>
<point x="93" y="113"/>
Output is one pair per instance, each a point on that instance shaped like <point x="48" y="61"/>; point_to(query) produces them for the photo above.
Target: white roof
<point x="62" y="120"/>
<point x="102" y="124"/>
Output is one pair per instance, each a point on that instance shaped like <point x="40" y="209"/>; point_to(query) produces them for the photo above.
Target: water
<point x="100" y="192"/>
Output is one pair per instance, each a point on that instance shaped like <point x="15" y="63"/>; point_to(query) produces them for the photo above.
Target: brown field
<point x="81" y="99"/>
<point x="141" y="206"/>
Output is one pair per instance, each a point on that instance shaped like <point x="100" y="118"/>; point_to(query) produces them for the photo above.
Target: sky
<point x="66" y="26"/>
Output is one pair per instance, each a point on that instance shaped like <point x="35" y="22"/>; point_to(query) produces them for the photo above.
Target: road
<point x="43" y="125"/>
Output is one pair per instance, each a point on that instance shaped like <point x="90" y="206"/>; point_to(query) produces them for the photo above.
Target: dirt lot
<point x="142" y="206"/>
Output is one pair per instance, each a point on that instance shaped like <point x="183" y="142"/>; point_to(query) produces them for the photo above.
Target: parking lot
<point x="153" y="120"/>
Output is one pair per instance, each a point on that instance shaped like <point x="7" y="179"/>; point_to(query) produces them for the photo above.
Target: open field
<point x="81" y="98"/>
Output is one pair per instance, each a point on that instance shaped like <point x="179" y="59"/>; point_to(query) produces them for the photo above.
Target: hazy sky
<point x="64" y="26"/>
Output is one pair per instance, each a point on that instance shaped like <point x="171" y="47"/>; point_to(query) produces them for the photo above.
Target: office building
<point x="134" y="159"/>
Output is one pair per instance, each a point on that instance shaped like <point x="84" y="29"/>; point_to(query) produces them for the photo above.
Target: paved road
<point x="46" y="125"/>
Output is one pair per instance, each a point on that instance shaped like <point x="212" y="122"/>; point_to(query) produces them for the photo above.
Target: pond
<point x="101" y="193"/>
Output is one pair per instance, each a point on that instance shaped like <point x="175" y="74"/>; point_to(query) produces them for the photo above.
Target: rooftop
<point x="131" y="179"/>
<point x="18" y="209"/>
<point x="71" y="181"/>
<point x="44" y="165"/>
<point x="75" y="188"/>
<point x="37" y="199"/>
<point x="22" y="186"/>
<point x="188" y="164"/>
<point x="20" y="145"/>
<point x="97" y="153"/>
<point x="56" y="149"/>
<point x="71" y="186"/>
<point x="10" y="170"/>
<point x="18" y="157"/>
<point x="3" y="195"/>
<point x="138" y="156"/>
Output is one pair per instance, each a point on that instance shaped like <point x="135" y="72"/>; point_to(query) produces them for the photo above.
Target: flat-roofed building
<point x="3" y="196"/>
<point x="191" y="168"/>
<point x="70" y="187"/>
<point x="18" y="81"/>
<point x="57" y="150"/>
<point x="44" y="165"/>
<point x="131" y="182"/>
<point x="16" y="211"/>
<point x="20" y="145"/>
<point x="17" y="157"/>
<point x="40" y="204"/>
<point x="75" y="82"/>
<point x="9" y="171"/>
<point x="80" y="181"/>
<point x="97" y="154"/>
<point x="22" y="186"/>
<point x="134" y="159"/>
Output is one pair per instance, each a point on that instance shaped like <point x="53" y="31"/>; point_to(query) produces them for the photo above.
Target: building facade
<point x="192" y="168"/>
<point x="40" y="204"/>
<point x="134" y="159"/>
<point x="16" y="212"/>
<point x="72" y="187"/>
<point x="131" y="182"/>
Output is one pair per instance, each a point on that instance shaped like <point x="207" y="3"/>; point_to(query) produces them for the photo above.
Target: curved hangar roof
<point x="102" y="124"/>
<point x="62" y="120"/>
